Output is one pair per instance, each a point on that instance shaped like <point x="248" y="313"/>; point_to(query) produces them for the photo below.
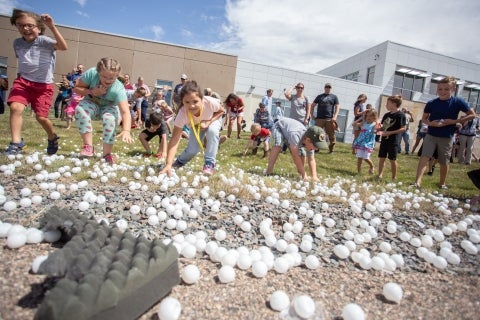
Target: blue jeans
<point x="405" y="136"/>
<point x="212" y="134"/>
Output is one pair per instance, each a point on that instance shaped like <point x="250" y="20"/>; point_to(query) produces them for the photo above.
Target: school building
<point x="385" y="69"/>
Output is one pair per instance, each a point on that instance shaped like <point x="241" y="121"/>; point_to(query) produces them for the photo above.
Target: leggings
<point x="86" y="110"/>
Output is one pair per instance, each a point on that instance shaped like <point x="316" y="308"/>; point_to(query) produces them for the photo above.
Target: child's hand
<point x="167" y="169"/>
<point x="125" y="136"/>
<point x="48" y="20"/>
<point x="204" y="124"/>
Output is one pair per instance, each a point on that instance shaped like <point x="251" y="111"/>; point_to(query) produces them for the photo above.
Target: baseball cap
<point x="317" y="135"/>
<point x="328" y="85"/>
<point x="184" y="77"/>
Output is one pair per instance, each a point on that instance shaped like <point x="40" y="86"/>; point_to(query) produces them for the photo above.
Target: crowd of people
<point x="199" y="115"/>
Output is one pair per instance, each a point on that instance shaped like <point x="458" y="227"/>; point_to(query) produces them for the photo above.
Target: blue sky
<point x="306" y="35"/>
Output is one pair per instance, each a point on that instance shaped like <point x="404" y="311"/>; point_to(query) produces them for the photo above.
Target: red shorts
<point x="38" y="95"/>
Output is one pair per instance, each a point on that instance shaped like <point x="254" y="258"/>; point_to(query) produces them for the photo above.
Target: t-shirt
<point x="236" y="108"/>
<point x="115" y="93"/>
<point x="291" y="129"/>
<point x="393" y="121"/>
<point x="445" y="109"/>
<point x="298" y="107"/>
<point x="263" y="133"/>
<point x="36" y="59"/>
<point x="325" y="105"/>
<point x="210" y="106"/>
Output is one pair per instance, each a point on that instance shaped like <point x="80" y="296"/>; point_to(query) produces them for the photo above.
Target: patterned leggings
<point x="86" y="110"/>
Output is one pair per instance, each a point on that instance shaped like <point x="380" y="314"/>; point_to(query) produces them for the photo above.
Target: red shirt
<point x="263" y="134"/>
<point x="236" y="108"/>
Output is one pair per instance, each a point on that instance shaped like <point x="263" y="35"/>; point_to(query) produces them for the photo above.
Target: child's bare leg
<point x="273" y="158"/>
<point x="372" y="166"/>
<point x="359" y="165"/>
<point x="47" y="126"/>
<point x="393" y="166"/>
<point x="381" y="166"/>
<point x="16" y="121"/>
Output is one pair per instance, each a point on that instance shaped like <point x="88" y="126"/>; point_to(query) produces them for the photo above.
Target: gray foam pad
<point x="106" y="273"/>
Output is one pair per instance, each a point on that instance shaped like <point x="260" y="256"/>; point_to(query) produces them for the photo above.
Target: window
<point x="434" y="84"/>
<point x="406" y="82"/>
<point x="471" y="94"/>
<point x="3" y="66"/>
<point x="159" y="86"/>
<point x="370" y="75"/>
<point x="352" y="76"/>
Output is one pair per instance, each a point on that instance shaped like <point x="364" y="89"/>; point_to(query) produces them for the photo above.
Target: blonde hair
<point x="108" y="64"/>
<point x="371" y="112"/>
<point x="256" y="127"/>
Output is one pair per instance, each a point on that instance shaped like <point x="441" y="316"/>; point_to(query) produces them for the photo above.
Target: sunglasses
<point x="299" y="88"/>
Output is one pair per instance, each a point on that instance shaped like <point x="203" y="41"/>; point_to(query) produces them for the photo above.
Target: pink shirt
<point x="210" y="106"/>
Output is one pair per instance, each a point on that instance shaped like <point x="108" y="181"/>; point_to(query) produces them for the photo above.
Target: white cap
<point x="184" y="77"/>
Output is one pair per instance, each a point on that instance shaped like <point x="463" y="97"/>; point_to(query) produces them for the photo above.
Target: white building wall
<point x="253" y="79"/>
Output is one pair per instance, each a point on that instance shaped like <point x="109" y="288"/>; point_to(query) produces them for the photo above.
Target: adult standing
<point x="300" y="104"/>
<point x="262" y="117"/>
<point x="278" y="111"/>
<point x="176" y="100"/>
<point x="405" y="136"/>
<point x="441" y="116"/>
<point x="127" y="84"/>
<point x="141" y="84"/>
<point x="267" y="100"/>
<point x="466" y="137"/>
<point x="75" y="74"/>
<point x="327" y="112"/>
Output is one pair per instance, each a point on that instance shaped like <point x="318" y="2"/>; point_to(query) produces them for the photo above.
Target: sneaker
<point x="109" y="158"/>
<point x="444" y="187"/>
<point x="177" y="164"/>
<point x="148" y="154"/>
<point x="14" y="148"/>
<point x="87" y="150"/>
<point x="209" y="169"/>
<point x="52" y="146"/>
<point x="415" y="185"/>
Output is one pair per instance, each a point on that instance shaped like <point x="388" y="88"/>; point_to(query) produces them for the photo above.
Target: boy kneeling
<point x="155" y="126"/>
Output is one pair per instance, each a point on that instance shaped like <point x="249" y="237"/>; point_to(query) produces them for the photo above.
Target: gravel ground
<point x="429" y="293"/>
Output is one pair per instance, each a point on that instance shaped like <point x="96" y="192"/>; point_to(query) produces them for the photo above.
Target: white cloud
<point x="7" y="6"/>
<point x="311" y="35"/>
<point x="158" y="32"/>
<point x="82" y="3"/>
<point x="83" y="14"/>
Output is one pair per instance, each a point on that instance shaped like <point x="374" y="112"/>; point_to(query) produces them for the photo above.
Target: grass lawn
<point x="230" y="162"/>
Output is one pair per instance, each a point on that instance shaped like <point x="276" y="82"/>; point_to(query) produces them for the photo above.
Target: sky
<point x="307" y="35"/>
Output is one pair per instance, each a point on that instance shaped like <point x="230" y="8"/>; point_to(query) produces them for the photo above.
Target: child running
<point x="258" y="136"/>
<point x="155" y="126"/>
<point x="102" y="92"/>
<point x="203" y="115"/>
<point x="36" y="55"/>
<point x="365" y="141"/>
<point x="70" y="108"/>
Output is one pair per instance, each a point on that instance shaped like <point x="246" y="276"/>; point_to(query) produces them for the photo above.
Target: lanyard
<point x="196" y="131"/>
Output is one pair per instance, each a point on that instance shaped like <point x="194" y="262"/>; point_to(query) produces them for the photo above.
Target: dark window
<point x="370" y="75"/>
<point x="472" y="97"/>
<point x="407" y="84"/>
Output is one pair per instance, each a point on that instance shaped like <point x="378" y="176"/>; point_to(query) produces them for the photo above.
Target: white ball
<point x="341" y="251"/>
<point x="52" y="235"/>
<point x="312" y="262"/>
<point x="353" y="311"/>
<point x="259" y="269"/>
<point x="16" y="240"/>
<point x="190" y="274"/>
<point x="304" y="306"/>
<point x="37" y="262"/>
<point x="153" y="220"/>
<point x="279" y="300"/>
<point x="281" y="265"/>
<point x="226" y="274"/>
<point x="169" y="309"/>
<point x="244" y="261"/>
<point x="393" y="292"/>
<point x="220" y="235"/>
